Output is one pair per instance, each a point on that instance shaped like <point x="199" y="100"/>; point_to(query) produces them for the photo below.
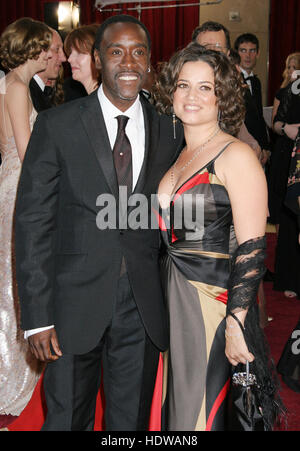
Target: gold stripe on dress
<point x="214" y="180"/>
<point x="205" y="253"/>
<point x="213" y="313"/>
<point x="165" y="376"/>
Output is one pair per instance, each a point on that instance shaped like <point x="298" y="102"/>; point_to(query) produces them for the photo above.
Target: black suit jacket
<point x="67" y="269"/>
<point x="254" y="119"/>
<point x="40" y="101"/>
<point x="73" y="89"/>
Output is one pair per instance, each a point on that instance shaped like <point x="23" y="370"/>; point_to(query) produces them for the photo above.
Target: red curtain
<point x="170" y="28"/>
<point x="284" y="39"/>
<point x="10" y="10"/>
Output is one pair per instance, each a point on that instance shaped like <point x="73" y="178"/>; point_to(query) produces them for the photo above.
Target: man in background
<point x="41" y="85"/>
<point x="247" y="45"/>
<point x="212" y="36"/>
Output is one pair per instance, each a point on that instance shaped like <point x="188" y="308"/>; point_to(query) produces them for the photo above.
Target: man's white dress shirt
<point x="39" y="82"/>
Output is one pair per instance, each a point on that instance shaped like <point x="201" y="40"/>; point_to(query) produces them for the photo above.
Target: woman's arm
<point x="245" y="137"/>
<point x="275" y="109"/>
<point x="281" y="124"/>
<point x="18" y="105"/>
<point x="290" y="130"/>
<point x="245" y="182"/>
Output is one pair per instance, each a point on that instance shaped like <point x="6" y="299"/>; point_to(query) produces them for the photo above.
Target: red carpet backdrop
<point x="286" y="313"/>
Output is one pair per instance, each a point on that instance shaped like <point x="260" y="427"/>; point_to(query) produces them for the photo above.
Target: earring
<point x="219" y="116"/>
<point x="174" y="124"/>
<point x="149" y="70"/>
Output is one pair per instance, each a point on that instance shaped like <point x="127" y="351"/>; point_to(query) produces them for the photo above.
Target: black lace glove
<point x="247" y="271"/>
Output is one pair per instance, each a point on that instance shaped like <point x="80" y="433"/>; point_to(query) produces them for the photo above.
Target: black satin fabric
<point x="195" y="270"/>
<point x="200" y="277"/>
<point x="245" y="414"/>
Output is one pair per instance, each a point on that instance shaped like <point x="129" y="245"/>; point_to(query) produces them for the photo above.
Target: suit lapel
<point x="151" y="121"/>
<point x="94" y="124"/>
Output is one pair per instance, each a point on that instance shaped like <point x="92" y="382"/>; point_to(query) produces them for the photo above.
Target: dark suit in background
<point x="73" y="89"/>
<point x="40" y="100"/>
<point x="254" y="119"/>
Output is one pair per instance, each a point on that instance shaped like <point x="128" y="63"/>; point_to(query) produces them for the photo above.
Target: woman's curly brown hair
<point x="228" y="86"/>
<point x="22" y="40"/>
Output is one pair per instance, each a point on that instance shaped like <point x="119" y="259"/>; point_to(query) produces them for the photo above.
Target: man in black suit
<point x="40" y="91"/>
<point x="97" y="284"/>
<point x="247" y="45"/>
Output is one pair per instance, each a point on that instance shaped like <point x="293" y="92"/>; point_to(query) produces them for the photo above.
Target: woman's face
<point x="194" y="99"/>
<point x="292" y="66"/>
<point x="81" y="66"/>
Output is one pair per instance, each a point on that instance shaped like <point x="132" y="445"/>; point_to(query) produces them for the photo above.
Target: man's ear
<point x="97" y="59"/>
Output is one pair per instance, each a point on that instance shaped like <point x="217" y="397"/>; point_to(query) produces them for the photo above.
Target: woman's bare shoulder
<point x="14" y="86"/>
<point x="237" y="163"/>
<point x="238" y="154"/>
<point x="17" y="94"/>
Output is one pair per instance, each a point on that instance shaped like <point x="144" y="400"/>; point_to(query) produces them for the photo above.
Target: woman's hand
<point x="236" y="349"/>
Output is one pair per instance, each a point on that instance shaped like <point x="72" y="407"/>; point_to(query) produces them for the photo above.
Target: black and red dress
<point x="195" y="269"/>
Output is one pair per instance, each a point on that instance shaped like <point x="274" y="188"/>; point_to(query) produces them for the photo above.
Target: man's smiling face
<point x="124" y="58"/>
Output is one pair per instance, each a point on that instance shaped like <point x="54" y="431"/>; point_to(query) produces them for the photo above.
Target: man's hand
<point x="41" y="343"/>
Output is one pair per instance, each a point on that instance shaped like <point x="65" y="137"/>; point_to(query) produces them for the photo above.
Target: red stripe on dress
<point x="161" y="222"/>
<point x="196" y="180"/>
<point x="220" y="398"/>
<point x="174" y="237"/>
<point x="223" y="297"/>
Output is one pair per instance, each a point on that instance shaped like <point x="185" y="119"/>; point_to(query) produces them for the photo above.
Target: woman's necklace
<point x="196" y="152"/>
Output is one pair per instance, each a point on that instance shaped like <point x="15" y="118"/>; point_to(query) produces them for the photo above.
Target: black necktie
<point x="123" y="155"/>
<point x="250" y="78"/>
<point x="48" y="91"/>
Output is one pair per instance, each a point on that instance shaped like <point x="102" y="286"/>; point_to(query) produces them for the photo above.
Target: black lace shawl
<point x="247" y="270"/>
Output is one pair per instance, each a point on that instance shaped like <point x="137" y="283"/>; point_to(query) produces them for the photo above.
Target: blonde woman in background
<point x="291" y="65"/>
<point x="279" y="163"/>
<point x="24" y="51"/>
